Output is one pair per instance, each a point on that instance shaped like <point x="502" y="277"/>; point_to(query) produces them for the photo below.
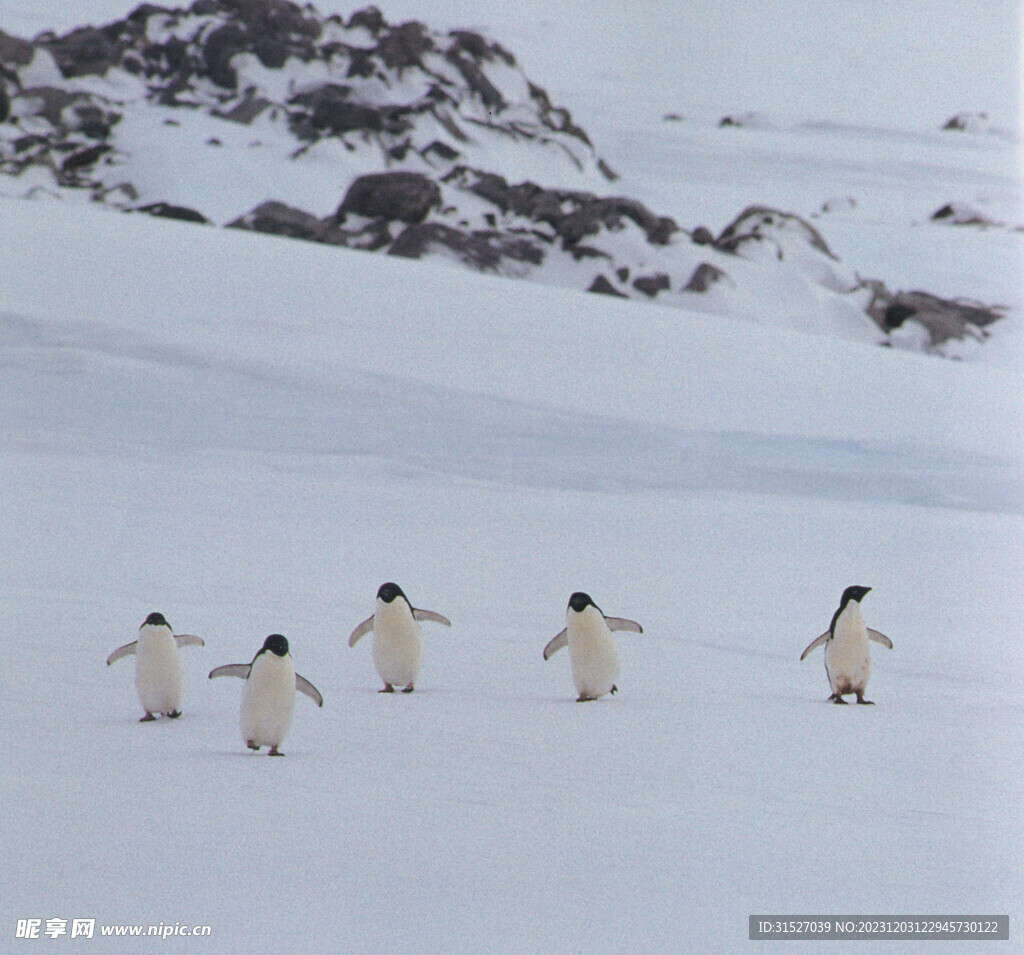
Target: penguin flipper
<point x="189" y="640"/>
<point x="621" y="623"/>
<point x="304" y="686"/>
<point x="560" y="641"/>
<point x="430" y="615"/>
<point x="880" y="638"/>
<point x="361" y="631"/>
<point x="232" y="669"/>
<point x="815" y="643"/>
<point x="126" y="651"/>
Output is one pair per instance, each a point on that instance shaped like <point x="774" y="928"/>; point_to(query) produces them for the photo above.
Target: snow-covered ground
<point x="251" y="434"/>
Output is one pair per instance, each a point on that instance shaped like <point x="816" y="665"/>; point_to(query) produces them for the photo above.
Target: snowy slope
<point x="187" y="432"/>
<point x="251" y="434"/>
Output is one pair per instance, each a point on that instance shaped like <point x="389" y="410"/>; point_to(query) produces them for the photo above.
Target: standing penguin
<point x="847" y="654"/>
<point x="397" y="638"/>
<point x="159" y="672"/>
<point x="268" y="700"/>
<point x="588" y="634"/>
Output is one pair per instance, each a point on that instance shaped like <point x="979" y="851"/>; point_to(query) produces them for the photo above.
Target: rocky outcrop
<point x="415" y="143"/>
<point x="942" y="319"/>
<point x="219" y="57"/>
<point x="402" y="196"/>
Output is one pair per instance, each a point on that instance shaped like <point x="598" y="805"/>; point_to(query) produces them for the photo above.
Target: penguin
<point x="397" y="637"/>
<point x="847" y="654"/>
<point x="159" y="672"/>
<point x="588" y="634"/>
<point x="268" y="700"/>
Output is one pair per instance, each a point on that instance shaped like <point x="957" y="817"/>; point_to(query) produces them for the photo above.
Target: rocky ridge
<point x="406" y="141"/>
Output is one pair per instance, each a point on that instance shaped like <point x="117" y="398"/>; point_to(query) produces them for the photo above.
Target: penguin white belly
<point x="595" y="662"/>
<point x="397" y="645"/>
<point x="268" y="701"/>
<point x="847" y="654"/>
<point x="159" y="672"/>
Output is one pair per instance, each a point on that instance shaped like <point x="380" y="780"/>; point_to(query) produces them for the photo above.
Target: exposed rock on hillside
<point x="392" y="137"/>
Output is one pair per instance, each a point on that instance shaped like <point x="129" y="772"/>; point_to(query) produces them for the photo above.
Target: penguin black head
<point x="276" y="644"/>
<point x="853" y="593"/>
<point x="579" y="602"/>
<point x="156" y="620"/>
<point x="856" y="594"/>
<point x="389" y="591"/>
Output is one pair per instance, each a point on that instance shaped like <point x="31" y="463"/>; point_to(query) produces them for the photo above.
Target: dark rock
<point x="404" y="45"/>
<point x="369" y="17"/>
<point x="406" y="196"/>
<point x="651" y="285"/>
<point x="602" y="286"/>
<point x="592" y="215"/>
<point x="332" y="110"/>
<point x="276" y="218"/>
<point x="581" y="252"/>
<point x="702" y="235"/>
<point x="476" y="80"/>
<point x="15" y="51"/>
<point x="50" y="102"/>
<point x="573" y="215"/>
<point x="704" y="276"/>
<point x="167" y="211"/>
<point x="756" y="222"/>
<point x="970" y="122"/>
<point x="443" y="151"/>
<point x="82" y="52"/>
<point x="93" y="120"/>
<point x="741" y="120"/>
<point x="896" y="314"/>
<point x="957" y="213"/>
<point x="361" y="65"/>
<point x="478" y="47"/>
<point x="272" y="52"/>
<point x="5" y="105"/>
<point x="221" y="45"/>
<point x="83" y="158"/>
<point x="485" y="251"/>
<point x="246" y="110"/>
<point x="944" y="319"/>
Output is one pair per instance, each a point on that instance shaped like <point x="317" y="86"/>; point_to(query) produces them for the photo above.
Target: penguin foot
<point x="836" y="698"/>
<point x="252" y="745"/>
<point x="614" y="690"/>
<point x="388" y="688"/>
<point x="408" y="689"/>
<point x="582" y="698"/>
<point x="862" y="701"/>
<point x="174" y="714"/>
<point x="274" y="752"/>
<point x="148" y="718"/>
